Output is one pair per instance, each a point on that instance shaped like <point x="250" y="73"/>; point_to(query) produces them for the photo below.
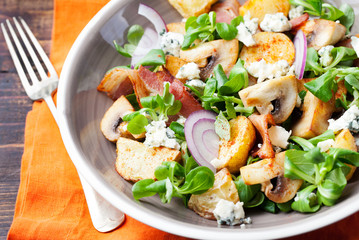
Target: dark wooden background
<point x="14" y="103"/>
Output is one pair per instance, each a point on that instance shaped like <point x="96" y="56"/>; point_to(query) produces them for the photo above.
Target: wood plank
<point x="14" y="103"/>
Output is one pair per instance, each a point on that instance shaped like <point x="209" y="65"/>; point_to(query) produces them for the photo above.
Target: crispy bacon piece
<point x="147" y="83"/>
<point x="226" y="10"/>
<point x="116" y="83"/>
<point x="296" y="22"/>
<point x="261" y="123"/>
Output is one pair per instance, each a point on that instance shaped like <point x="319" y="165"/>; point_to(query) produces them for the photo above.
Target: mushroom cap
<point x="284" y="190"/>
<point x="217" y="52"/>
<point x="113" y="116"/>
<point x="280" y="91"/>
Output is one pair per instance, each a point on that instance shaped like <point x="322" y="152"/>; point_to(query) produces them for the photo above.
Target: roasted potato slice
<point x="271" y="47"/>
<point x="259" y="8"/>
<point x="346" y="140"/>
<point x="188" y="8"/>
<point x="135" y="161"/>
<point x="322" y="32"/>
<point x="223" y="188"/>
<point x="173" y="64"/>
<point x="177" y="27"/>
<point x="233" y="154"/>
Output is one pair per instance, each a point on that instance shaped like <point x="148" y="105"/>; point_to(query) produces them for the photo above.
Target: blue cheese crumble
<point x="188" y="71"/>
<point x="247" y="29"/>
<point x="295" y="12"/>
<point x="275" y="23"/>
<point x="325" y="145"/>
<point x="350" y="120"/>
<point x="157" y="134"/>
<point x="325" y="54"/>
<point x="226" y="212"/>
<point x="171" y="43"/>
<point x="263" y="70"/>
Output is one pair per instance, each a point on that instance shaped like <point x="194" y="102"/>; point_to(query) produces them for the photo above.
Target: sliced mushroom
<point x="116" y="83"/>
<point x="284" y="189"/>
<point x="263" y="170"/>
<point x="282" y="92"/>
<point x="314" y="120"/>
<point x="216" y="52"/>
<point x="113" y="116"/>
<point x="322" y="32"/>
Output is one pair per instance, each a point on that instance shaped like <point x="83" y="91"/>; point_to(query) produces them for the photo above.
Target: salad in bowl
<point x="238" y="106"/>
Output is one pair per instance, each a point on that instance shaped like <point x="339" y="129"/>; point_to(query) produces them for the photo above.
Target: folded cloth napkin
<point x="50" y="202"/>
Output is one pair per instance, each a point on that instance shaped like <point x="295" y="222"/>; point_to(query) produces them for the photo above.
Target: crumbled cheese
<point x="298" y="103"/>
<point x="217" y="163"/>
<point x="275" y="23"/>
<point x="263" y="70"/>
<point x="246" y="30"/>
<point x="325" y="54"/>
<point x="350" y="120"/>
<point x="226" y="212"/>
<point x="171" y="43"/>
<point x="181" y="120"/>
<point x="279" y="136"/>
<point x="157" y="134"/>
<point x="325" y="145"/>
<point x="199" y="85"/>
<point x="355" y="44"/>
<point x="295" y="12"/>
<point x="189" y="71"/>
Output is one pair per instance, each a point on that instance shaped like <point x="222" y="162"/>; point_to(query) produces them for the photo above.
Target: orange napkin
<point x="50" y="202"/>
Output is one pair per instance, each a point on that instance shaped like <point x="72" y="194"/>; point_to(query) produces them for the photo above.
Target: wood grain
<point x="14" y="103"/>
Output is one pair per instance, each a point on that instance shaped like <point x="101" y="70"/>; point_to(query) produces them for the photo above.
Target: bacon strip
<point x="147" y="83"/>
<point x="261" y="123"/>
<point x="296" y="22"/>
<point x="226" y="10"/>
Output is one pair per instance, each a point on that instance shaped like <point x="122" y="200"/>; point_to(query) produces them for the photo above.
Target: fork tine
<point x="22" y="53"/>
<point x="15" y="59"/>
<point x="33" y="55"/>
<point x="39" y="49"/>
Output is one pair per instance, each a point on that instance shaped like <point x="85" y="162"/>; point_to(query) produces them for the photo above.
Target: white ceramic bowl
<point x="81" y="108"/>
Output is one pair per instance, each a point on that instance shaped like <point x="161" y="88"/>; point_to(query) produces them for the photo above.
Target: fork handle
<point x="104" y="216"/>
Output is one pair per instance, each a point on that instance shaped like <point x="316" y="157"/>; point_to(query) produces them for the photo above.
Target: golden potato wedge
<point x="271" y="47"/>
<point x="135" y="161"/>
<point x="188" y="8"/>
<point x="177" y="27"/>
<point x="173" y="64"/>
<point x="346" y="140"/>
<point x="314" y="120"/>
<point x="263" y="170"/>
<point x="322" y="32"/>
<point x="259" y="8"/>
<point x="233" y="154"/>
<point x="223" y="188"/>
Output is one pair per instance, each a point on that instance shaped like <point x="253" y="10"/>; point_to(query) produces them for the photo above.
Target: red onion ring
<point x="300" y="44"/>
<point x="193" y="141"/>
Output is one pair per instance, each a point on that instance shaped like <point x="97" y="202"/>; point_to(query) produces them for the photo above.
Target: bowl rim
<point x="133" y="209"/>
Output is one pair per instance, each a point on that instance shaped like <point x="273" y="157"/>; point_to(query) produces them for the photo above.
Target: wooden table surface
<point x="14" y="103"/>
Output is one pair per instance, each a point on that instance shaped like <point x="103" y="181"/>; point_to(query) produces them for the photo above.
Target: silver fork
<point x="103" y="215"/>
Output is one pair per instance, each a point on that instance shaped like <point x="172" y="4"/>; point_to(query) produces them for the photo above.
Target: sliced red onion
<point x="151" y="39"/>
<point x="198" y="130"/>
<point x="192" y="143"/>
<point x="211" y="141"/>
<point x="300" y="44"/>
<point x="154" y="17"/>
